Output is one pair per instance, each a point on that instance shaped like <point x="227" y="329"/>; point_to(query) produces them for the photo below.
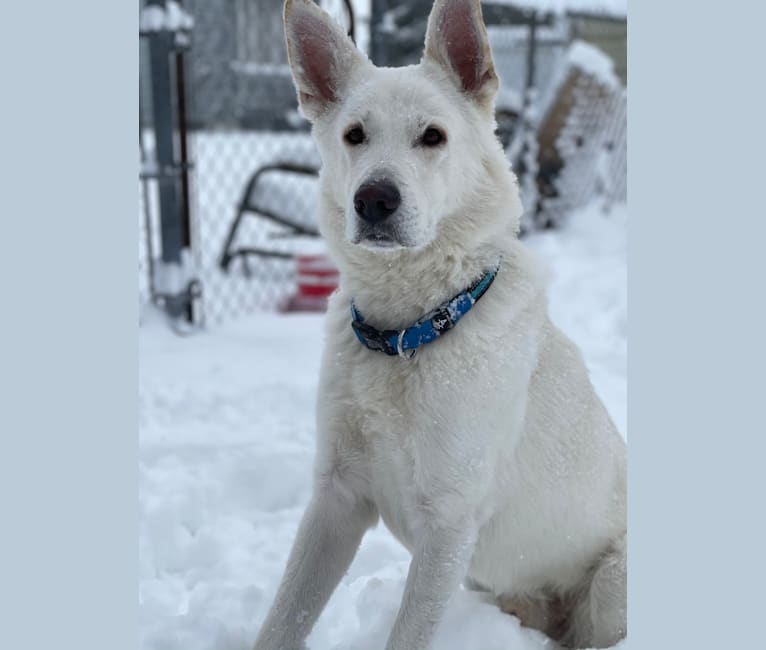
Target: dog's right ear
<point x="321" y="56"/>
<point x="457" y="40"/>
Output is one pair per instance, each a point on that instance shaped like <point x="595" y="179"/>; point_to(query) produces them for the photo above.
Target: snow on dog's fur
<point x="488" y="454"/>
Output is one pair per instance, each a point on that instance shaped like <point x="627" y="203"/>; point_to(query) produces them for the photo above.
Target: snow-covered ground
<point x="226" y="448"/>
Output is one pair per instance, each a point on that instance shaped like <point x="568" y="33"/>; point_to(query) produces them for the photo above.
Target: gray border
<point x="68" y="375"/>
<point x="68" y="464"/>
<point x="696" y="168"/>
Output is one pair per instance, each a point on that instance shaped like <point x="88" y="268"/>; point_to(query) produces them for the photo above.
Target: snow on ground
<point x="226" y="448"/>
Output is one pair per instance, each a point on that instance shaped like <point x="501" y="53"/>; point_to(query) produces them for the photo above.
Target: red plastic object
<point x="317" y="278"/>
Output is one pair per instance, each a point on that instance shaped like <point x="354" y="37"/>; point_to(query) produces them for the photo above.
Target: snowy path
<point x="226" y="447"/>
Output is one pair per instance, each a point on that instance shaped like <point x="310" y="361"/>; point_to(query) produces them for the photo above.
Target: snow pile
<point x="171" y="18"/>
<point x="594" y="62"/>
<point x="226" y="448"/>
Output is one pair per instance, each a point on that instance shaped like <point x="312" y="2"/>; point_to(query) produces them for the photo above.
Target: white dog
<point x="481" y="444"/>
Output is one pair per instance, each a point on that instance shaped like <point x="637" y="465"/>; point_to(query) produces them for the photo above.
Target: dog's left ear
<point x="321" y="56"/>
<point x="457" y="40"/>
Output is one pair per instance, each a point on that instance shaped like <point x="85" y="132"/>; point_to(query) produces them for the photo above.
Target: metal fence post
<point x="160" y="47"/>
<point x="172" y="182"/>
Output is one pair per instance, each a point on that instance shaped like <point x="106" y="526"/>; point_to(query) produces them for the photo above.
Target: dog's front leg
<point x="437" y="568"/>
<point x="328" y="536"/>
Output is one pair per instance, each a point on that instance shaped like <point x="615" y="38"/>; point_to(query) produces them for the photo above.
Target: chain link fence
<point x="592" y="147"/>
<point x="242" y="117"/>
<point x="225" y="162"/>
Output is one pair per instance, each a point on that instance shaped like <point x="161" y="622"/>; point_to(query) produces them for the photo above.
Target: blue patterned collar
<point x="405" y="343"/>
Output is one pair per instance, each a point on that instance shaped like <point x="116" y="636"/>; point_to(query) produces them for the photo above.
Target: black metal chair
<point x="264" y="194"/>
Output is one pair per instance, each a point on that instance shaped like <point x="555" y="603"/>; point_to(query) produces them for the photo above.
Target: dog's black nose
<point x="376" y="201"/>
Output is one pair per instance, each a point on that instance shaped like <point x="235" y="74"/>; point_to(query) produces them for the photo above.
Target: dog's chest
<point x="386" y="404"/>
<point x="408" y="415"/>
<point x="393" y="487"/>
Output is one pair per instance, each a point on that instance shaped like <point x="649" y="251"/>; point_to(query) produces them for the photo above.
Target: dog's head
<point x="403" y="149"/>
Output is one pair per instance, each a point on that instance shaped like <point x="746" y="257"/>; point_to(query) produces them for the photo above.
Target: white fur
<point x="488" y="455"/>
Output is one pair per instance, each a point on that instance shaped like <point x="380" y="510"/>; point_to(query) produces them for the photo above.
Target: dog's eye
<point x="354" y="136"/>
<point x="432" y="137"/>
